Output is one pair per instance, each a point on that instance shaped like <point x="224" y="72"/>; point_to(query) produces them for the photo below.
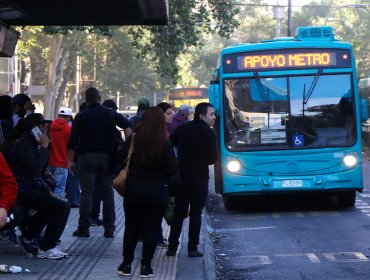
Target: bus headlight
<point x="233" y="166"/>
<point x="350" y="160"/>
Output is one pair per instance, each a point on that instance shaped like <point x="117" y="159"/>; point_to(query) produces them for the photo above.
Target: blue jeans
<point x="60" y="175"/>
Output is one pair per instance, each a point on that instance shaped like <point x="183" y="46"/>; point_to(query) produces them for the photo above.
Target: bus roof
<point x="310" y="37"/>
<point x="278" y="44"/>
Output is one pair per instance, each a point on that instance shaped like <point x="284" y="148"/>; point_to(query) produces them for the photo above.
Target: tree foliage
<point x="187" y="20"/>
<point x="350" y="22"/>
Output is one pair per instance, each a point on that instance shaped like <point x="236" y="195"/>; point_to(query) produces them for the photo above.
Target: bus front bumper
<point x="346" y="180"/>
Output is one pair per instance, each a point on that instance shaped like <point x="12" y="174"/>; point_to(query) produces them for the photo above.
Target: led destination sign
<point x="286" y="59"/>
<point x="179" y="93"/>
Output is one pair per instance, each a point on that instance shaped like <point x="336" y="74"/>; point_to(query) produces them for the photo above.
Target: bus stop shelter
<point x="77" y="13"/>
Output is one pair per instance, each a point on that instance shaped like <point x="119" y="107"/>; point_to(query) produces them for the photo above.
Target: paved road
<point x="293" y="238"/>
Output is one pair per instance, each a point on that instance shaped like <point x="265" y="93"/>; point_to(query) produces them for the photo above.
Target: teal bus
<point x="289" y="117"/>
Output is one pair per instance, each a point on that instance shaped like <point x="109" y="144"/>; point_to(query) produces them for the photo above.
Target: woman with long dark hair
<point x="152" y="163"/>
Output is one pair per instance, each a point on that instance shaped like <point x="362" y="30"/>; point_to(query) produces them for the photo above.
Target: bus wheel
<point x="230" y="202"/>
<point x="346" y="199"/>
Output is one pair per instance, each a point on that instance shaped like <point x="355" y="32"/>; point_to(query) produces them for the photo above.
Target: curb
<point x="209" y="261"/>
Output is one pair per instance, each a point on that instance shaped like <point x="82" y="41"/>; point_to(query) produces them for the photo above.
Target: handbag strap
<point x="130" y="151"/>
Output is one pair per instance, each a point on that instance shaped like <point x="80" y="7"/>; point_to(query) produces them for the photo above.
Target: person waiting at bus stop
<point x="152" y="163"/>
<point x="59" y="132"/>
<point x="27" y="160"/>
<point x="168" y="113"/>
<point x="92" y="132"/>
<point x="22" y="106"/>
<point x="168" y="116"/>
<point x="142" y="105"/>
<point x="197" y="149"/>
<point x="182" y="116"/>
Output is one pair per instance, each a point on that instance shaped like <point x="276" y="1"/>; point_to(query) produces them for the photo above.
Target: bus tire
<point x="346" y="198"/>
<point x="230" y="202"/>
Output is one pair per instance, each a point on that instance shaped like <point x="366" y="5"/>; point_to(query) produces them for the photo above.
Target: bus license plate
<point x="292" y="183"/>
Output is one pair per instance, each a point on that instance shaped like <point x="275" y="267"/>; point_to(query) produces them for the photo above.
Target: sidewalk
<point x="98" y="257"/>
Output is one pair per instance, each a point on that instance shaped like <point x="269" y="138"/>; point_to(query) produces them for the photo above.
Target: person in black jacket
<point x="28" y="158"/>
<point x="197" y="149"/>
<point x="152" y="163"/>
<point x="93" y="133"/>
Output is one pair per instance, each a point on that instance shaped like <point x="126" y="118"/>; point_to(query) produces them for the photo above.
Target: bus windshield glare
<point x="294" y="112"/>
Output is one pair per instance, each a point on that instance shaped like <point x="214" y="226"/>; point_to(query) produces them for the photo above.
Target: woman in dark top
<point x="152" y="163"/>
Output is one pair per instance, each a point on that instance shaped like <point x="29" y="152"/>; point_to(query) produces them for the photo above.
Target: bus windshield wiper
<point x="307" y="96"/>
<point x="264" y="96"/>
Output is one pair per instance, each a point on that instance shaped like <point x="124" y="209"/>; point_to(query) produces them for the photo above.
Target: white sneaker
<point x="52" y="254"/>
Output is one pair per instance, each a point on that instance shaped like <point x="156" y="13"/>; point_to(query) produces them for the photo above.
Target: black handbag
<point x="116" y="145"/>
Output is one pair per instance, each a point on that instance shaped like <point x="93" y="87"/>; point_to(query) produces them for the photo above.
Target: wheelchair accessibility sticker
<point x="298" y="140"/>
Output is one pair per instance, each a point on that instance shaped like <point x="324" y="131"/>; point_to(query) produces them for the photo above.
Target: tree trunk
<point x="72" y="69"/>
<point x="55" y="54"/>
<point x="60" y="94"/>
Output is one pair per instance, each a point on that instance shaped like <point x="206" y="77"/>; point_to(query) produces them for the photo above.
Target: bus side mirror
<point x="214" y="97"/>
<point x="364" y="110"/>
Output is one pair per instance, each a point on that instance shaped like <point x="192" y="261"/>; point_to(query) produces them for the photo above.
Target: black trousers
<point x="95" y="172"/>
<point x="144" y="209"/>
<point x="194" y="195"/>
<point x="51" y="211"/>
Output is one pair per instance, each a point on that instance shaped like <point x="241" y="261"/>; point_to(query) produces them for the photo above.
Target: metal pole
<point x="16" y="76"/>
<point x="289" y="17"/>
<point x="78" y="75"/>
<point x="118" y="99"/>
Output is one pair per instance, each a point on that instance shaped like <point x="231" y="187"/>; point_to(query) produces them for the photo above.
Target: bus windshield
<point x="293" y="112"/>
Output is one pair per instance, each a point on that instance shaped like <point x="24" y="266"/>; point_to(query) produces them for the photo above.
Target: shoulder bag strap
<point x="130" y="151"/>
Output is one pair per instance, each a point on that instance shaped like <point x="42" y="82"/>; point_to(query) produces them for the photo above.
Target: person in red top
<point x="58" y="160"/>
<point x="8" y="190"/>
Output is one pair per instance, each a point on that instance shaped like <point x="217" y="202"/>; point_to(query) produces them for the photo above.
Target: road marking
<point x="360" y="203"/>
<point x="251" y="217"/>
<point x="226" y="230"/>
<point x="259" y="259"/>
<point x="324" y="213"/>
<point x="363" y="206"/>
<point x="314" y="258"/>
<point x="277" y="215"/>
<point x="364" y="195"/>
<point x="342" y="257"/>
<point x="311" y="256"/>
<point x="299" y="214"/>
